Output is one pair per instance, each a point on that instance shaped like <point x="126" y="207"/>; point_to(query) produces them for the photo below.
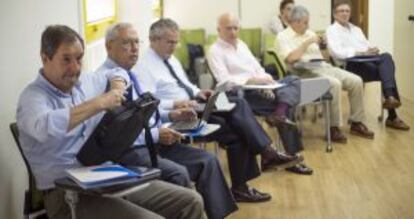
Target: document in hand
<point x="102" y="176"/>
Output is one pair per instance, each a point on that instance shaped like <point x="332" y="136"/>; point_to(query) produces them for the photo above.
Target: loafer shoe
<point x="391" y="103"/>
<point x="280" y="160"/>
<point x="275" y="121"/>
<point x="337" y="136"/>
<point x="250" y="195"/>
<point x="300" y="169"/>
<point x="359" y="129"/>
<point x="397" y="123"/>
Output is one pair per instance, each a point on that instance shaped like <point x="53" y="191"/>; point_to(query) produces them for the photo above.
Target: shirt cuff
<point x="118" y="73"/>
<point x="164" y="114"/>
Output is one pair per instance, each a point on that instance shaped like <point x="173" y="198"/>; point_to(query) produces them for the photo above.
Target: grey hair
<point x="298" y="13"/>
<point x="158" y="28"/>
<point x="112" y="31"/>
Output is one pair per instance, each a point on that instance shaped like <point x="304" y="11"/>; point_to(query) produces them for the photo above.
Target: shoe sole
<point x="397" y="127"/>
<point x="362" y="135"/>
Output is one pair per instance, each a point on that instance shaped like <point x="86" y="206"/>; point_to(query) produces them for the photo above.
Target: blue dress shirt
<point x="43" y="115"/>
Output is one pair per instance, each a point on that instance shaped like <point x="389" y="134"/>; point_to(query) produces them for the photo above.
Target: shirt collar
<point x="109" y="63"/>
<point x="226" y="44"/>
<point x="337" y="24"/>
<point x="42" y="80"/>
<point x="154" y="54"/>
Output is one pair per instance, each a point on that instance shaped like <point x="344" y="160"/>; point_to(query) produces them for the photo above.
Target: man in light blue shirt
<point x="203" y="168"/>
<point x="58" y="111"/>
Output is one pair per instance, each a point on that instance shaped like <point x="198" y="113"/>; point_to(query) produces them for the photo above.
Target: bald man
<point x="231" y="61"/>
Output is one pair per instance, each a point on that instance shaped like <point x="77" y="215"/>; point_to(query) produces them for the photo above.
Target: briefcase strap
<point x="152" y="148"/>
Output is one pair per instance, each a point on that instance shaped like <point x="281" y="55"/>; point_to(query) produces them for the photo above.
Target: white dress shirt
<point x="233" y="64"/>
<point x="345" y="42"/>
<point x="152" y="71"/>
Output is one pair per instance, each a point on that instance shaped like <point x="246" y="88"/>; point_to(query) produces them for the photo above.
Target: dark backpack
<point x="117" y="131"/>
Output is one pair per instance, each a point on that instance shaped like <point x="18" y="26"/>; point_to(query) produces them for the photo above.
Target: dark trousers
<point x="289" y="94"/>
<point x="243" y="137"/>
<point x="204" y="169"/>
<point x="382" y="70"/>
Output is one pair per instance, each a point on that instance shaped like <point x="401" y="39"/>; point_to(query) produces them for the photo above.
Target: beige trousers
<point x="158" y="200"/>
<point x="344" y="80"/>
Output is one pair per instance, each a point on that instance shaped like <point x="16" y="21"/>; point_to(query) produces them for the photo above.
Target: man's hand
<point x="184" y="104"/>
<point x="111" y="99"/>
<point x="373" y="51"/>
<point x="267" y="94"/>
<point x="203" y="95"/>
<point x="168" y="136"/>
<point x="315" y="39"/>
<point x="260" y="80"/>
<point x="182" y="114"/>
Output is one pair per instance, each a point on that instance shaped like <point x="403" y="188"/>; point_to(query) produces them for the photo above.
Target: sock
<point x="392" y="114"/>
<point x="281" y="109"/>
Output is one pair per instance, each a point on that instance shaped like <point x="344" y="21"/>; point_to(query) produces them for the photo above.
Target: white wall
<point x="381" y="24"/>
<point x="22" y="22"/>
<point x="201" y="13"/>
<point x="198" y="13"/>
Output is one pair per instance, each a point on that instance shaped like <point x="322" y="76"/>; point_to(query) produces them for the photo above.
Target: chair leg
<point x="71" y="198"/>
<point x="327" y="108"/>
<point x="382" y="99"/>
<point x="202" y="145"/>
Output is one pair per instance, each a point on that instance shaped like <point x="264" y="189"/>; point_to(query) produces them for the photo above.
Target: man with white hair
<point x="297" y="44"/>
<point x="230" y="60"/>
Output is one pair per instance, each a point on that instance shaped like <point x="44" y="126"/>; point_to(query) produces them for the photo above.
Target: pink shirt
<point x="233" y="64"/>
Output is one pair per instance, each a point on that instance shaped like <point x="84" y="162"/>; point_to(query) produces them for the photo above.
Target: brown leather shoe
<point x="337" y="136"/>
<point x="397" y="123"/>
<point x="358" y="128"/>
<point x="391" y="103"/>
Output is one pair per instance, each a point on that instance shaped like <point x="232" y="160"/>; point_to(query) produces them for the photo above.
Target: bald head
<point x="228" y="28"/>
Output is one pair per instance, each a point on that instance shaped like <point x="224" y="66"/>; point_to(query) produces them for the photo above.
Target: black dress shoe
<point x="280" y="160"/>
<point x="300" y="169"/>
<point x="250" y="195"/>
<point x="278" y="121"/>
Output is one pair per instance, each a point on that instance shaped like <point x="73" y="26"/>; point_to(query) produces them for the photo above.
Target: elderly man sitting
<point x="231" y="61"/>
<point x="300" y="49"/>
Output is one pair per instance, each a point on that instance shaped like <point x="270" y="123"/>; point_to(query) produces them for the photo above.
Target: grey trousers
<point x="158" y="200"/>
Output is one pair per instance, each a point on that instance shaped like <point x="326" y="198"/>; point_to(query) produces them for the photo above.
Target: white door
<point x="404" y="46"/>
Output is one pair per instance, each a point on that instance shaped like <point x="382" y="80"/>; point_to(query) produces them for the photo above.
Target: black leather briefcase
<point x="117" y="131"/>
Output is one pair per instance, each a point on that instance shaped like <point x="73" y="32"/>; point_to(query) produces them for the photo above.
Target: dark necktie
<point x="180" y="83"/>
